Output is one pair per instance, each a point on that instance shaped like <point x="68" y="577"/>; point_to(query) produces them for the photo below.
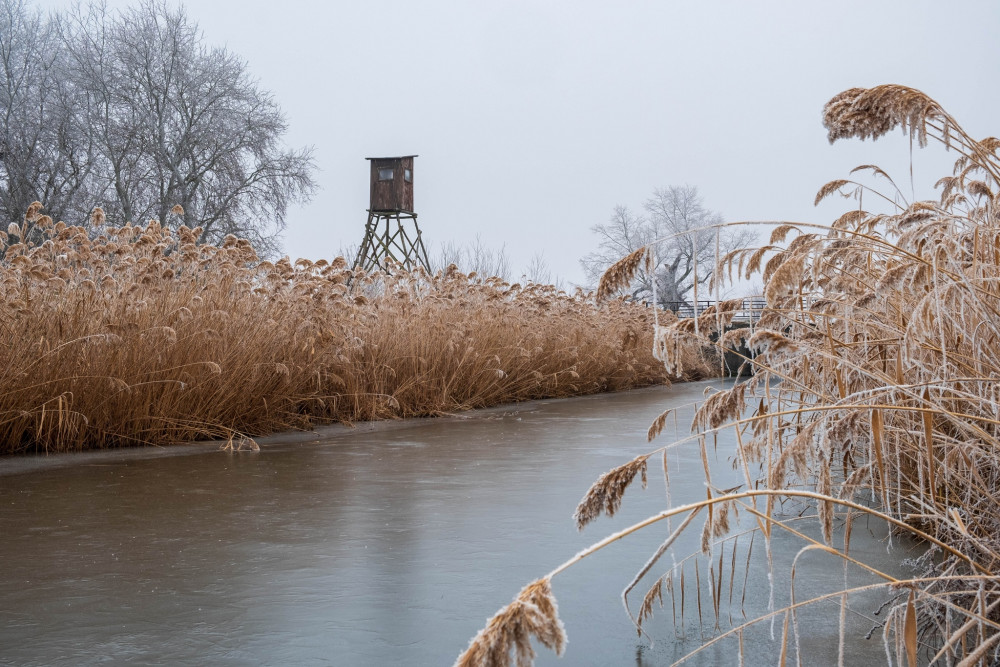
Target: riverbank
<point x="320" y="434"/>
<point x="140" y="336"/>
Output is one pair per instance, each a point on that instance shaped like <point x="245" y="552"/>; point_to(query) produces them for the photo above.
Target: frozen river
<point x="389" y="543"/>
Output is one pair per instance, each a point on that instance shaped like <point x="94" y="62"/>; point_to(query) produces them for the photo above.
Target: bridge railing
<point x="749" y="312"/>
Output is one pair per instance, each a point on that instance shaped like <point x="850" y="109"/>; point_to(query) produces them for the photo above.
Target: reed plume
<point x="607" y="492"/>
<point x="533" y="613"/>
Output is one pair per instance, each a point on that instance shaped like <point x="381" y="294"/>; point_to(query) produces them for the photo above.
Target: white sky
<point x="533" y="119"/>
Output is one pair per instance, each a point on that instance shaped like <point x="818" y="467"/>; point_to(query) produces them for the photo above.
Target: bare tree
<point x="135" y="112"/>
<point x="684" y="235"/>
<point x="484" y="261"/>
<point x="623" y="233"/>
<point x="538" y="271"/>
<point x="46" y="152"/>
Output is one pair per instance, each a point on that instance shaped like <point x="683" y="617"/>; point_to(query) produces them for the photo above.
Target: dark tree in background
<point x="134" y="112"/>
<point x="677" y="224"/>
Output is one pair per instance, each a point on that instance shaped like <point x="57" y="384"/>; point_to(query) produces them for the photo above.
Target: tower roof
<point x="396" y="157"/>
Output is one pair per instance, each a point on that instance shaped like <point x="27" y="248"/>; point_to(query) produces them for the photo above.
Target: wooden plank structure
<point x="392" y="232"/>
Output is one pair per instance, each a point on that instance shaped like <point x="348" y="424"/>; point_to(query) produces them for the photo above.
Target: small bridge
<point x="749" y="312"/>
<point x="746" y="316"/>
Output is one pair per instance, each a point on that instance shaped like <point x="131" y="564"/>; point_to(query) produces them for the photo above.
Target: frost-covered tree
<point x="135" y="112"/>
<point x="678" y="225"/>
<point x="46" y="148"/>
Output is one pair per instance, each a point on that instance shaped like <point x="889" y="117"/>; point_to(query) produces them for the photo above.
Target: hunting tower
<point x="391" y="231"/>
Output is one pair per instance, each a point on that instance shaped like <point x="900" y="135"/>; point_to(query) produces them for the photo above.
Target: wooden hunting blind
<point x="391" y="232"/>
<point x="392" y="183"/>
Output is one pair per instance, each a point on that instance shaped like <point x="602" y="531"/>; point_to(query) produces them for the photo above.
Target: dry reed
<point x="876" y="386"/>
<point x="141" y="335"/>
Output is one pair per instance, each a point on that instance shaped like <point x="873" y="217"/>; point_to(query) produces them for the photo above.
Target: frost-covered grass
<point x="876" y="395"/>
<point x="139" y="335"/>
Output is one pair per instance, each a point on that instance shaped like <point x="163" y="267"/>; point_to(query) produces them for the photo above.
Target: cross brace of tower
<point x="387" y="238"/>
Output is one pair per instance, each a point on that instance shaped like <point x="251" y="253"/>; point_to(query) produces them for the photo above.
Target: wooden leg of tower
<point x="366" y="250"/>
<point x="420" y="252"/>
<point x="378" y="259"/>
<point x="386" y="238"/>
<point x="405" y="247"/>
<point x="395" y="248"/>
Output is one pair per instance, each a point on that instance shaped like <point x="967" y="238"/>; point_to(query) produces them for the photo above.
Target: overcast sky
<point x="532" y="120"/>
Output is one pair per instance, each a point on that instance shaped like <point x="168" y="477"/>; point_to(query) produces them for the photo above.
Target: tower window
<point x="385" y="174"/>
<point x="407" y="175"/>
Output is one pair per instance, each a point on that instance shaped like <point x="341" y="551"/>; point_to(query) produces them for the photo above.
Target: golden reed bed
<point x="138" y="335"/>
<point x="876" y="396"/>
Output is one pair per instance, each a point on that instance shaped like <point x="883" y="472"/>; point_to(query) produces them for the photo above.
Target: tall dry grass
<point x="876" y="394"/>
<point x="140" y="335"/>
